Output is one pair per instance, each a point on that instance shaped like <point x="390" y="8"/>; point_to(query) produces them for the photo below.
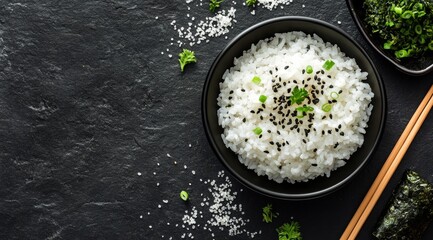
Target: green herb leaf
<point x="268" y="215"/>
<point x="289" y="231"/>
<point x="186" y="57"/>
<point x="298" y="95"/>
<point x="250" y="2"/>
<point x="183" y="195"/>
<point x="214" y="4"/>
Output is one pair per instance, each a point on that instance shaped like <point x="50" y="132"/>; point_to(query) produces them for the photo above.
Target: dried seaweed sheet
<point x="409" y="211"/>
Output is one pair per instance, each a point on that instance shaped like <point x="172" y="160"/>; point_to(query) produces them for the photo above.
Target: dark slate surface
<point x="87" y="102"/>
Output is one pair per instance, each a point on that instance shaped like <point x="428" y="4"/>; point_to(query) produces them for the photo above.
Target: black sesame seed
<point x="331" y="86"/>
<point x="266" y="151"/>
<point x="261" y="117"/>
<point x="286" y="67"/>
<point x="272" y="143"/>
<point x="316" y="101"/>
<point x="260" y="136"/>
<point x="243" y="90"/>
<point x="342" y="133"/>
<point x="339" y="92"/>
<point x="329" y="131"/>
<point x="231" y="92"/>
<point x="315" y="150"/>
<point x="303" y="140"/>
<point x="244" y="120"/>
<point x="329" y="76"/>
<point x="322" y="72"/>
<point x="303" y="71"/>
<point x="252" y="111"/>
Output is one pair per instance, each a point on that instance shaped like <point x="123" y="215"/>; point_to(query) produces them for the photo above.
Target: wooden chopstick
<point x="388" y="168"/>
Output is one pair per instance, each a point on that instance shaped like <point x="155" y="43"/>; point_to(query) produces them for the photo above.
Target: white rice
<point x="281" y="151"/>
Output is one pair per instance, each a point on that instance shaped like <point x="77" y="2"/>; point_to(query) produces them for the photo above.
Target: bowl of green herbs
<point x="399" y="30"/>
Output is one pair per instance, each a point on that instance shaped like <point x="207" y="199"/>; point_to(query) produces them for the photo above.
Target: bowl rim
<point x="367" y="37"/>
<point x="246" y="182"/>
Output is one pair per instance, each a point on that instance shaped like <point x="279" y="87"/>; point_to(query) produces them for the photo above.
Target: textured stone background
<point x="87" y="101"/>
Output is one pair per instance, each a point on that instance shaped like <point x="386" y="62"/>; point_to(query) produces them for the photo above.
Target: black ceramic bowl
<point x="321" y="185"/>
<point x="412" y="66"/>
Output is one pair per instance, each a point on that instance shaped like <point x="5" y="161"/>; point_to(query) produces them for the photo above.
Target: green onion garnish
<point x="328" y="64"/>
<point x="256" y="80"/>
<point x="430" y="45"/>
<point x="309" y="69"/>
<point x="398" y="10"/>
<point x="334" y="95"/>
<point x="418" y="29"/>
<point x="262" y="98"/>
<point x="326" y="107"/>
<point x="183" y="195"/>
<point x="401" y="53"/>
<point x="387" y="45"/>
<point x="257" y="130"/>
<point x="407" y="14"/>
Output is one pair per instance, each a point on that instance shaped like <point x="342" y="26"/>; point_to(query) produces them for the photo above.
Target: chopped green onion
<point x="407" y="14"/>
<point x="328" y="64"/>
<point x="418" y="29"/>
<point x="326" y="107"/>
<point x="430" y="45"/>
<point x="334" y="95"/>
<point x="301" y="111"/>
<point x="257" y="130"/>
<point x="262" y="98"/>
<point x="256" y="80"/>
<point x="309" y="69"/>
<point x="183" y="195"/>
<point x="401" y="53"/>
<point x="398" y="10"/>
<point x="387" y="45"/>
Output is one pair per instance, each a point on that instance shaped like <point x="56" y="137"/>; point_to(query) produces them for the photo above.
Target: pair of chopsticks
<point x="388" y="168"/>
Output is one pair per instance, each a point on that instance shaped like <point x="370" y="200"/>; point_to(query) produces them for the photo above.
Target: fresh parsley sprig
<point x="289" y="231"/>
<point x="298" y="95"/>
<point x="186" y="57"/>
<point x="268" y="214"/>
<point x="214" y="4"/>
<point x="250" y="2"/>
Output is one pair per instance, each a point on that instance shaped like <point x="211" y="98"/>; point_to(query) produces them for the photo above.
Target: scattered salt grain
<point x="165" y="201"/>
<point x="139" y="173"/>
<point x="225" y="214"/>
<point x="339" y="22"/>
<point x="168" y="155"/>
